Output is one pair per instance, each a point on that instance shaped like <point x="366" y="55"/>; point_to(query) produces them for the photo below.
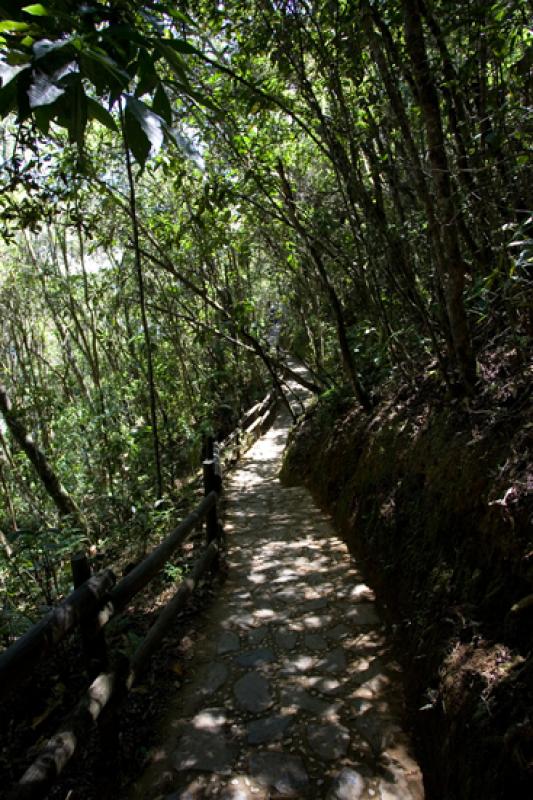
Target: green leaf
<point x="11" y="26"/>
<point x="36" y="10"/>
<point x="181" y="46"/>
<point x="8" y="98"/>
<point x="175" y="62"/>
<point x="161" y="105"/>
<point x="44" y="47"/>
<point x="100" y="114"/>
<point x="102" y="71"/>
<point x="179" y="16"/>
<point x="43" y="116"/>
<point x="43" y="91"/>
<point x="200" y="98"/>
<point x="8" y="72"/>
<point x="78" y="114"/>
<point x="144" y="129"/>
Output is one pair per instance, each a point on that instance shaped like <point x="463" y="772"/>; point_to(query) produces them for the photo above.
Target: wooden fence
<point x="98" y="598"/>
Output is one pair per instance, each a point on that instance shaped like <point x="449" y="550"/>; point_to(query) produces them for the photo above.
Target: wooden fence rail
<point x="97" y="598"/>
<point x="84" y="602"/>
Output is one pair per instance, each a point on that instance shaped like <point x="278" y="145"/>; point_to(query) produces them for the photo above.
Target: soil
<point x="434" y="497"/>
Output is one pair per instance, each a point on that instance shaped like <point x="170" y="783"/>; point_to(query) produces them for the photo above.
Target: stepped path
<point x="291" y="690"/>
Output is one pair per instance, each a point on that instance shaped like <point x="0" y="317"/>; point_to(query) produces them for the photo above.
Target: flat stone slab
<point x="314" y="641"/>
<point x="362" y="614"/>
<point x="297" y="697"/>
<point x="253" y="692"/>
<point x="268" y="729"/>
<point x="339" y="632"/>
<point x="286" y="640"/>
<point x="347" y="785"/>
<point x="228" y="642"/>
<point x="289" y="596"/>
<point x="327" y="686"/>
<point x="242" y="788"/>
<point x="329" y="740"/>
<point x="316" y="604"/>
<point x="210" y="719"/>
<point x="205" y="751"/>
<point x="256" y="636"/>
<point x="216" y="677"/>
<point x="335" y="661"/>
<point x="255" y="657"/>
<point x="317" y="622"/>
<point x="298" y="663"/>
<point x="280" y="771"/>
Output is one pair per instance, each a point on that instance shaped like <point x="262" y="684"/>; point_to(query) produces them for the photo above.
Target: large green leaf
<point x="43" y="91"/>
<point x="8" y="98"/>
<point x="144" y="129"/>
<point x="104" y="73"/>
<point x="8" y="72"/>
<point x="78" y="113"/>
<point x="36" y="10"/>
<point x="161" y="105"/>
<point x="100" y="114"/>
<point x="12" y="26"/>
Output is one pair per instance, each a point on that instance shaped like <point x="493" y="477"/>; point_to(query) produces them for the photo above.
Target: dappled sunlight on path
<point x="291" y="690"/>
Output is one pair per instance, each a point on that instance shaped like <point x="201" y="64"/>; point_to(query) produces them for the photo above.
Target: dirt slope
<point x="436" y="502"/>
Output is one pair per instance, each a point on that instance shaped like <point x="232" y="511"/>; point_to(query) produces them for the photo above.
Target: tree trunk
<point x="454" y="269"/>
<point x="63" y="501"/>
<point x="335" y="303"/>
<point x="144" y="318"/>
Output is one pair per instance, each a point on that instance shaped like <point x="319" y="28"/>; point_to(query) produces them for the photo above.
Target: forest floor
<point x="290" y="688"/>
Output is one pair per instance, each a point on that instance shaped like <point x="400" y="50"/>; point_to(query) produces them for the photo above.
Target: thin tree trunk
<point x="335" y="303"/>
<point x="144" y="318"/>
<point x="454" y="270"/>
<point x="63" y="501"/>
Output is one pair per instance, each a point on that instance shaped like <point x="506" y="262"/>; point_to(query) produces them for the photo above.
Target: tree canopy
<point x="192" y="189"/>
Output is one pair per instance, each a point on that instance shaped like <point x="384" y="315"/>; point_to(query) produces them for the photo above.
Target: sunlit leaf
<point x="43" y="91"/>
<point x="11" y="26"/>
<point x="8" y="72"/>
<point x="36" y="10"/>
<point x="144" y="129"/>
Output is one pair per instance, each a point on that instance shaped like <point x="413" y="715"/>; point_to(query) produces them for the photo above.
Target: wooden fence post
<point x="96" y="662"/>
<point x="92" y="636"/>
<point x="211" y="484"/>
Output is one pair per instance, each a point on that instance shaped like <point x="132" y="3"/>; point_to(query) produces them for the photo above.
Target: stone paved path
<point x="291" y="691"/>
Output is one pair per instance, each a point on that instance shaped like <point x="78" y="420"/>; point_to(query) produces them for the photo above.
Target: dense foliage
<point x="179" y="180"/>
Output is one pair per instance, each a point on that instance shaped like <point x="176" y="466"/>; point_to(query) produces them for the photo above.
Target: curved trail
<point x="291" y="691"/>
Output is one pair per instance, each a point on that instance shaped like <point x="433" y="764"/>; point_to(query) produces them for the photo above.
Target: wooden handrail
<point x="58" y="751"/>
<point x="96" y="601"/>
<point x="168" y="614"/>
<point x="143" y="573"/>
<point x="84" y="602"/>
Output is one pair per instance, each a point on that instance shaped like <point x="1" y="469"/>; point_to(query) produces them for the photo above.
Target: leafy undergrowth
<point x="435" y="499"/>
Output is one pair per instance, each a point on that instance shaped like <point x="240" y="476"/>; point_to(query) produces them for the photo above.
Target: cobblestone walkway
<point x="291" y="691"/>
